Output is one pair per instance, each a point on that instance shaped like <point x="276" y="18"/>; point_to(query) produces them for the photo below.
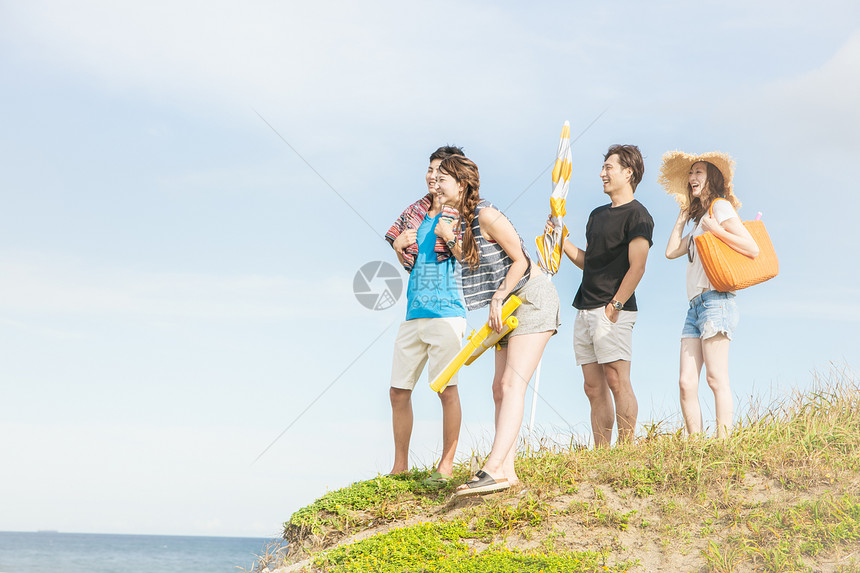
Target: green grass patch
<point x="382" y="498"/>
<point x="503" y="517"/>
<point x="440" y="548"/>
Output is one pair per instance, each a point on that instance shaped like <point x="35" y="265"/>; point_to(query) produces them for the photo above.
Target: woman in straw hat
<point x="496" y="265"/>
<point x="702" y="185"/>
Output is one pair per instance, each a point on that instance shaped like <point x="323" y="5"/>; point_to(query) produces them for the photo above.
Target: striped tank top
<point x="493" y="264"/>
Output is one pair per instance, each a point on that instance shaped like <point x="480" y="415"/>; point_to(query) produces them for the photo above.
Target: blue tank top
<point x="432" y="291"/>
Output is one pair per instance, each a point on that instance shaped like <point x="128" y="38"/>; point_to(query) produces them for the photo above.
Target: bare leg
<point x="602" y="407"/>
<point x="617" y="376"/>
<point x="451" y="415"/>
<point x="401" y="418"/>
<point x="517" y="364"/>
<point x="501" y="360"/>
<point x="715" y="351"/>
<point x="691" y="369"/>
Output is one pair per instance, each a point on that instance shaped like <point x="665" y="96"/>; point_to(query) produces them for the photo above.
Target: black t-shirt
<point x="608" y="234"/>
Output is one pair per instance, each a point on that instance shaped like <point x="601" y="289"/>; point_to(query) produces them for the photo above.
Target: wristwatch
<point x="617" y="305"/>
<point x="450" y="244"/>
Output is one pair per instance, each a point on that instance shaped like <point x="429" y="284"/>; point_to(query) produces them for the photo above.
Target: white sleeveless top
<point x="697" y="280"/>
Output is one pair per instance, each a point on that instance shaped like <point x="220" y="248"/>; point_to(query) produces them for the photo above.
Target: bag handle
<point x="711" y="208"/>
<point x="711" y="213"/>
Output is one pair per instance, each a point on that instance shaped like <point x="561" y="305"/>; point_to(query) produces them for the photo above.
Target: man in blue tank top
<point x="618" y="236"/>
<point x="435" y="320"/>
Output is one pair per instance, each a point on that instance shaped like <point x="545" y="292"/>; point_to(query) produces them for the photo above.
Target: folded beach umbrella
<point x="550" y="245"/>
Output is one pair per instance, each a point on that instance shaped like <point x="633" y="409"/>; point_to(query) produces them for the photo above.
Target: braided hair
<point x="465" y="172"/>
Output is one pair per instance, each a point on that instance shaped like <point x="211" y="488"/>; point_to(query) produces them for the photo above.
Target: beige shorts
<point x="597" y="339"/>
<point x="421" y="339"/>
<point x="540" y="310"/>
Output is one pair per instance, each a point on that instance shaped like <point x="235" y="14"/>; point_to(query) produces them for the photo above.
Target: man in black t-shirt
<point x="618" y="237"/>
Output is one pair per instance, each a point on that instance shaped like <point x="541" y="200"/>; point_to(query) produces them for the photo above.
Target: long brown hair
<point x="715" y="188"/>
<point x="465" y="172"/>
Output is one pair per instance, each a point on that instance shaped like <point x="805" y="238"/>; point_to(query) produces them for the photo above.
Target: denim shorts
<point x="710" y="314"/>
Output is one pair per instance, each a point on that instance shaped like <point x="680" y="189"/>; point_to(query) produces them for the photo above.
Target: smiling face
<point x="698" y="179"/>
<point x="448" y="189"/>
<point x="432" y="172"/>
<point x="614" y="176"/>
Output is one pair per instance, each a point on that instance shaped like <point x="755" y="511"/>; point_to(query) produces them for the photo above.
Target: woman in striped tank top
<point x="496" y="265"/>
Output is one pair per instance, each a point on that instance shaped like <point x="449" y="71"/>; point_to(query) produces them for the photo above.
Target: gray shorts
<point x="540" y="310"/>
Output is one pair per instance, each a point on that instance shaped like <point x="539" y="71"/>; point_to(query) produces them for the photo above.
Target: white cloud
<point x="813" y="112"/>
<point x="288" y="59"/>
<point x="38" y="285"/>
<point x="42" y="331"/>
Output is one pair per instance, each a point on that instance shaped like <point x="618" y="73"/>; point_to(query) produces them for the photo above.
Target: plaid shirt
<point x="411" y="218"/>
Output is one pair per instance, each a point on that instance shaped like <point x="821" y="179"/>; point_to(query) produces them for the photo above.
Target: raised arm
<point x="678" y="242"/>
<point x="574" y="253"/>
<point x="445" y="230"/>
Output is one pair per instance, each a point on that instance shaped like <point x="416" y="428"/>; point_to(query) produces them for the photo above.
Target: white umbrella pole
<point x="534" y="399"/>
<point x="535" y="392"/>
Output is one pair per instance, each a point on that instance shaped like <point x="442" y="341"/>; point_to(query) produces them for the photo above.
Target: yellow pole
<point x="474" y="343"/>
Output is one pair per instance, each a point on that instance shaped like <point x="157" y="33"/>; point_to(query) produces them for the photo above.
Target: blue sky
<point x="176" y="281"/>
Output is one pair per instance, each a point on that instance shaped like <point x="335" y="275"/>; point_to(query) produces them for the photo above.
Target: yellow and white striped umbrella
<point x="550" y="245"/>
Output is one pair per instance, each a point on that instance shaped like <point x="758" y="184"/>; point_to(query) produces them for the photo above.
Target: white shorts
<point x="597" y="339"/>
<point x="420" y="339"/>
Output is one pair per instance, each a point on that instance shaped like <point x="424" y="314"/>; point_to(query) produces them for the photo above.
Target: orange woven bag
<point x="729" y="270"/>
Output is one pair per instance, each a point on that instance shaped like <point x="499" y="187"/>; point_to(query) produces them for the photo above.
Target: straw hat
<point x="675" y="171"/>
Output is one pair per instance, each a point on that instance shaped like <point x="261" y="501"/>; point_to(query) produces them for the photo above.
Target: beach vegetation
<point x="781" y="493"/>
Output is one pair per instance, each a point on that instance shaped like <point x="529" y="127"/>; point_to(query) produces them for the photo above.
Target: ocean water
<point x="49" y="552"/>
